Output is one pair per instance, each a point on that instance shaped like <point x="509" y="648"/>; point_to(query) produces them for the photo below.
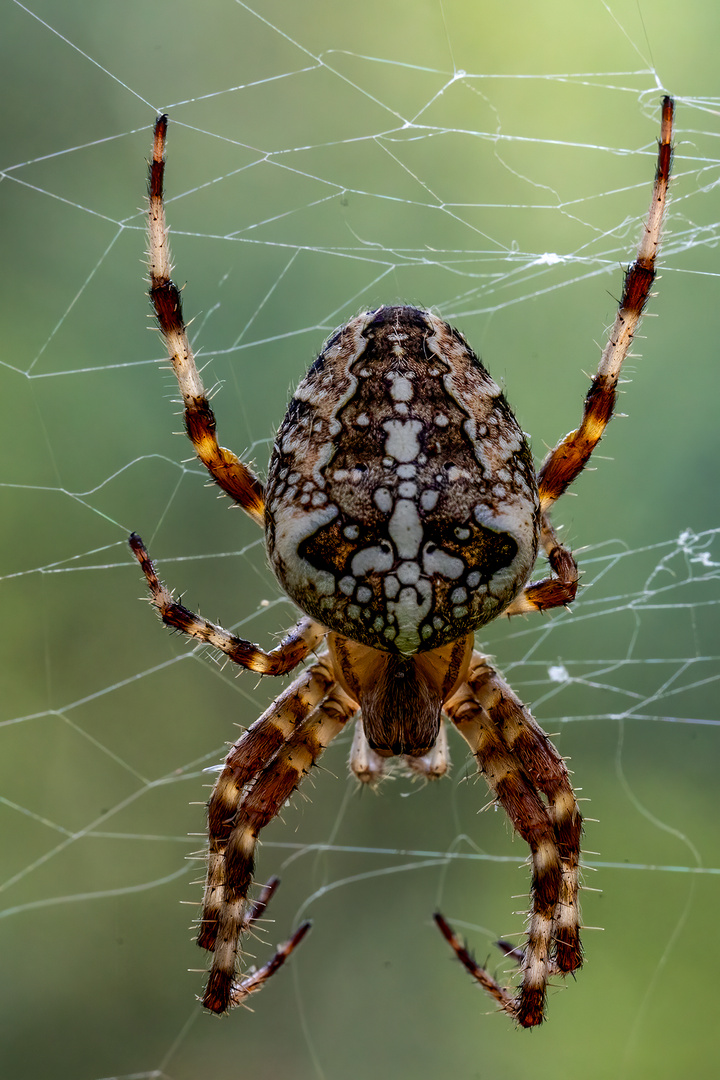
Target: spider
<point x="402" y="512"/>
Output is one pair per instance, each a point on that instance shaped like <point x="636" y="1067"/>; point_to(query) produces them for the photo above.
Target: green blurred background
<point x="325" y="158"/>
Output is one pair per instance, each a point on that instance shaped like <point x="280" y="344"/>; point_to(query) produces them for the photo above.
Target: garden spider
<point x="401" y="513"/>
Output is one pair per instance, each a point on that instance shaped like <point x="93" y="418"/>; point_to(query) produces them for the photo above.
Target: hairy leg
<point x="529" y="779"/>
<point x="539" y="759"/>
<point x="298" y="643"/>
<point x="565" y="463"/>
<point x="567" y="460"/>
<point x="254" y="751"/>
<point x="225" y="467"/>
<point x="262" y="801"/>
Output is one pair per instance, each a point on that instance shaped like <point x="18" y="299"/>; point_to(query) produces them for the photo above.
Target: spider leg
<point x="547" y="771"/>
<point x="565" y="463"/>
<point x="225" y="467"/>
<point x="278" y="773"/>
<point x="255" y="748"/>
<point x="556" y="591"/>
<point x="513" y="754"/>
<point x="294" y="647"/>
<point x="258" y="907"/>
<point x="504" y="998"/>
<point x="257" y="979"/>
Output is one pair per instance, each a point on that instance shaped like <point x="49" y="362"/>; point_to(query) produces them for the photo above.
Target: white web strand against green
<point x="320" y="162"/>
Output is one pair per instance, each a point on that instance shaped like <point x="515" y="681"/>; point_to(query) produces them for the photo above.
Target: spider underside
<point x="402" y="512"/>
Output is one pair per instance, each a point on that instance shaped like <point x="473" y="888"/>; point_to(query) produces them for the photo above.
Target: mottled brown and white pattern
<point x="401" y="502"/>
<point x="402" y="513"/>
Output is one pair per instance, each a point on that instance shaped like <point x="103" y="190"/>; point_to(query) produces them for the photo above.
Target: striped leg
<point x="519" y="763"/>
<point x="257" y="979"/>
<point x="565" y="463"/>
<point x="539" y="759"/>
<point x="302" y="639"/>
<point x="504" y="998"/>
<point x="253" y="751"/>
<point x="570" y="456"/>
<point x="262" y="799"/>
<point x="225" y="467"/>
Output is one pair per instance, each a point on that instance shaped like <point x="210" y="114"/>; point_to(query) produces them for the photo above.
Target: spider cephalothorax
<point x="402" y="512"/>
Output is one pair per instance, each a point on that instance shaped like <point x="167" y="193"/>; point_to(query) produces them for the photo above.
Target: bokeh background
<point x="493" y="161"/>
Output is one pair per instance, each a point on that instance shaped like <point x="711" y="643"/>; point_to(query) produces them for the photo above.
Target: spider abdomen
<point x="401" y="503"/>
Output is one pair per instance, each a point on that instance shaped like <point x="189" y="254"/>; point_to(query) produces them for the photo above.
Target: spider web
<point x="494" y="164"/>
